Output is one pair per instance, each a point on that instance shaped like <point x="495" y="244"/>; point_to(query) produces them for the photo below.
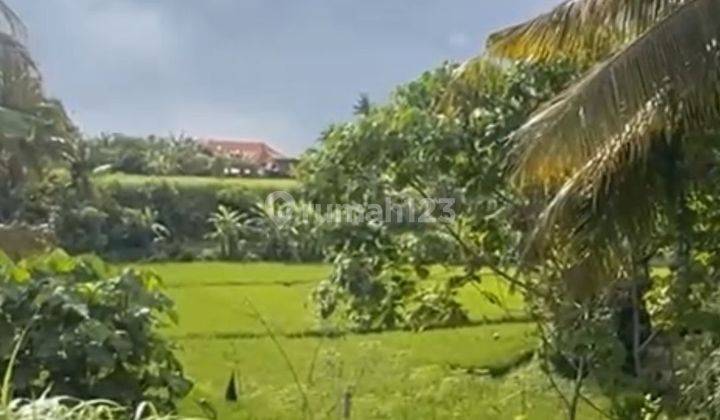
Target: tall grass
<point x="67" y="408"/>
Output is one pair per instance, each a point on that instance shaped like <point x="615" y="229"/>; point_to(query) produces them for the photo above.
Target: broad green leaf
<point x="19" y="274"/>
<point x="100" y="357"/>
<point x="5" y="260"/>
<point x="59" y="261"/>
<point x="96" y="331"/>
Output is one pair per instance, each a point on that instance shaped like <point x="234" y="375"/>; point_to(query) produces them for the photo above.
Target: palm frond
<point x="674" y="68"/>
<point x="20" y="80"/>
<point x="606" y="195"/>
<point x="580" y="29"/>
<point x="11" y="22"/>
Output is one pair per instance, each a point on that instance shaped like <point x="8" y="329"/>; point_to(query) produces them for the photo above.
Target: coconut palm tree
<point x="621" y="130"/>
<point x="25" y="113"/>
<point x="581" y="30"/>
<point x="614" y="151"/>
<point x="31" y="126"/>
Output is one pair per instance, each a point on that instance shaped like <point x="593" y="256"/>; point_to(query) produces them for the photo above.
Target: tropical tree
<point x="654" y="91"/>
<point x="31" y="126"/>
<point x="363" y="105"/>
<point x="620" y="150"/>
<point x="625" y="156"/>
<point x="437" y="138"/>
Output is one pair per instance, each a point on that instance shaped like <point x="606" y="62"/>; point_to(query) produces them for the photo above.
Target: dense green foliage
<point x="155" y="156"/>
<point x="139" y="218"/>
<point x="170" y="156"/>
<point x="184" y="208"/>
<point x="439" y="138"/>
<point x="625" y="162"/>
<point x="84" y="332"/>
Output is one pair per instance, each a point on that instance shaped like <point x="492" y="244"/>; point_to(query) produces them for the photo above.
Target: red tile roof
<point x="255" y="151"/>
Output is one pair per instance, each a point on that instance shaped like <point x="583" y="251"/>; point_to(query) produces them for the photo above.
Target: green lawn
<point x="281" y="184"/>
<point x="436" y="374"/>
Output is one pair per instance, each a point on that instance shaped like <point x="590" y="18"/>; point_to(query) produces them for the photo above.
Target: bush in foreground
<point x="81" y="331"/>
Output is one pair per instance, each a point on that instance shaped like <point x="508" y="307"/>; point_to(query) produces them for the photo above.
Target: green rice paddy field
<point x="256" y="320"/>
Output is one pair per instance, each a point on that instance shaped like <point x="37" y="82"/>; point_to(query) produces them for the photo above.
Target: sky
<point x="276" y="70"/>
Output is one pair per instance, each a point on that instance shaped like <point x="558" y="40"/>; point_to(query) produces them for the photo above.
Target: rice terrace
<point x="360" y="210"/>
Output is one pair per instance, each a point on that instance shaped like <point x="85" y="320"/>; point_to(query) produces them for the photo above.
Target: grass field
<point x="254" y="319"/>
<point x="280" y="184"/>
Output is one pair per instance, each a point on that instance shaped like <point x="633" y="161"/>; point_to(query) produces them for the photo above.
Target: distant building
<point x="262" y="158"/>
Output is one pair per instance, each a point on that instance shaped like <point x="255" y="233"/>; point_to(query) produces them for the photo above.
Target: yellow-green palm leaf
<point x="667" y="80"/>
<point x="580" y="30"/>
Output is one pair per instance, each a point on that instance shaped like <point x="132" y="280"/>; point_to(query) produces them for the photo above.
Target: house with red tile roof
<point x="258" y="153"/>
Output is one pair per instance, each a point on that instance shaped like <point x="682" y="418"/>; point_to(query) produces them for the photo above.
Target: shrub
<point x="184" y="211"/>
<point x="292" y="232"/>
<point x="104" y="227"/>
<point x="436" y="306"/>
<point x="132" y="162"/>
<point x="363" y="292"/>
<point x="183" y="207"/>
<point x="87" y="333"/>
<point x="123" y="219"/>
<point x="82" y="228"/>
